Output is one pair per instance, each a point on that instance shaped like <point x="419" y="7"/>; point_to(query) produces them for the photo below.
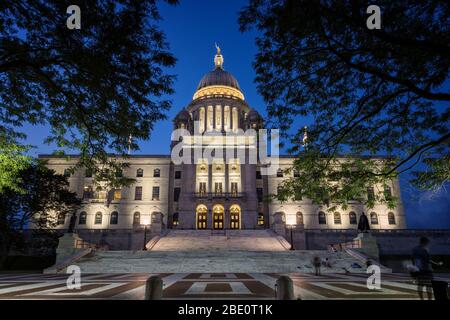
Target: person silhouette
<point x="422" y="262"/>
<point x="363" y="224"/>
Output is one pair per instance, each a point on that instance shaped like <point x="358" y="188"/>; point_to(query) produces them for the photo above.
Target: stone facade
<point x="225" y="193"/>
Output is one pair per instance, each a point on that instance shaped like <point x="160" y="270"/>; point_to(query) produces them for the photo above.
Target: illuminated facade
<point x="219" y="194"/>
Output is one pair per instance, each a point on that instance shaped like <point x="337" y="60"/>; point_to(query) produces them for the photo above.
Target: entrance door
<point x="218" y="217"/>
<point x="201" y="217"/>
<point x="235" y="217"/>
<point x="201" y="221"/>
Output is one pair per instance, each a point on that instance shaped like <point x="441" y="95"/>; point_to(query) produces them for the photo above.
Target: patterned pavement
<point x="205" y="286"/>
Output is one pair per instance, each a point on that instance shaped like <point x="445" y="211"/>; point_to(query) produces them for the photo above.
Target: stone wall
<point x="117" y="239"/>
<point x="390" y="242"/>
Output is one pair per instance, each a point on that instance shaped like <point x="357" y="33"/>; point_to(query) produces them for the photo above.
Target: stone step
<point x="217" y="261"/>
<point x="232" y="240"/>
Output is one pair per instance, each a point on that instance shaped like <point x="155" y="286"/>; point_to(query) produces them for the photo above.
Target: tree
<point x="12" y="161"/>
<point x="370" y="93"/>
<point x="44" y="197"/>
<point x="96" y="87"/>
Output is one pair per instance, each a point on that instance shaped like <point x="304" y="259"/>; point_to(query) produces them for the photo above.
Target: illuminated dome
<point x="218" y="82"/>
<point x="218" y="77"/>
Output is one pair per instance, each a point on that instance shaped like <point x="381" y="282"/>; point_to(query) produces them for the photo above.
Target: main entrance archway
<point x="218" y="216"/>
<point x="201" y="213"/>
<point x="235" y="217"/>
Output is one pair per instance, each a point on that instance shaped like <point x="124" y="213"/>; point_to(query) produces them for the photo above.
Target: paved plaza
<point x="206" y="286"/>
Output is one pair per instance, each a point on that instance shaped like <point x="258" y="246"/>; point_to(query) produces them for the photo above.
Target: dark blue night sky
<point x="192" y="28"/>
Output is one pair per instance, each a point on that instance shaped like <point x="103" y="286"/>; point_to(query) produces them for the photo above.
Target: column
<point x="227" y="218"/>
<point x="214" y="118"/>
<point x="222" y="127"/>
<point x="209" y="219"/>
<point x="227" y="178"/>
<point x="210" y="167"/>
<point x="231" y="119"/>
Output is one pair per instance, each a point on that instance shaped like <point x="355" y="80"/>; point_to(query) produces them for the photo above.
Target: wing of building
<point x="226" y="193"/>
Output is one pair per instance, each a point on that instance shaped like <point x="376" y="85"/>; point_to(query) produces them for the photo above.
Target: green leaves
<point x="369" y="93"/>
<point x="12" y="161"/>
<point x="96" y="86"/>
<point x="43" y="196"/>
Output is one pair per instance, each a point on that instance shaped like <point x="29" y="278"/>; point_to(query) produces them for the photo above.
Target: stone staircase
<point x="228" y="240"/>
<point x="202" y="251"/>
<point x="207" y="261"/>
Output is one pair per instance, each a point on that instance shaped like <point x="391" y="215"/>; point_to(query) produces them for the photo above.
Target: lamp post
<point x="145" y="236"/>
<point x="291" y="226"/>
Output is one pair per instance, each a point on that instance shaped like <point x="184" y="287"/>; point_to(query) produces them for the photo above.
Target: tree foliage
<point x="369" y="92"/>
<point x="44" y="196"/>
<point x="95" y="87"/>
<point x="12" y="161"/>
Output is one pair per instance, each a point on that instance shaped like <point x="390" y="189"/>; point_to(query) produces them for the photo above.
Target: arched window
<point x="139" y="173"/>
<point x="352" y="217"/>
<point x="322" y="218"/>
<point x="61" y="219"/>
<point x="156" y="173"/>
<point x="82" y="218"/>
<point x="337" y="218"/>
<point x="114" y="219"/>
<point x="299" y="218"/>
<point x="373" y="218"/>
<point x="137" y="218"/>
<point x="201" y="213"/>
<point x="391" y="218"/>
<point x="98" y="218"/>
<point x="235" y="217"/>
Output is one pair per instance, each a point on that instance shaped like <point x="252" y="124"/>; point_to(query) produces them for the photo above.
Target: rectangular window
<point x="202" y="187"/>
<point x="155" y="193"/>
<point x="88" y="192"/>
<point x="177" y="175"/>
<point x="234" y="188"/>
<point x="66" y="173"/>
<point x="296" y="173"/>
<point x="370" y="194"/>
<point x="258" y="175"/>
<point x="259" y="193"/>
<point x="298" y="195"/>
<point x="138" y="193"/>
<point x="61" y="219"/>
<point x="387" y="193"/>
<point x="176" y="194"/>
<point x="218" y="187"/>
<point x="88" y="173"/>
<point x="117" y="194"/>
<point x="260" y="219"/>
<point x="279" y="189"/>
